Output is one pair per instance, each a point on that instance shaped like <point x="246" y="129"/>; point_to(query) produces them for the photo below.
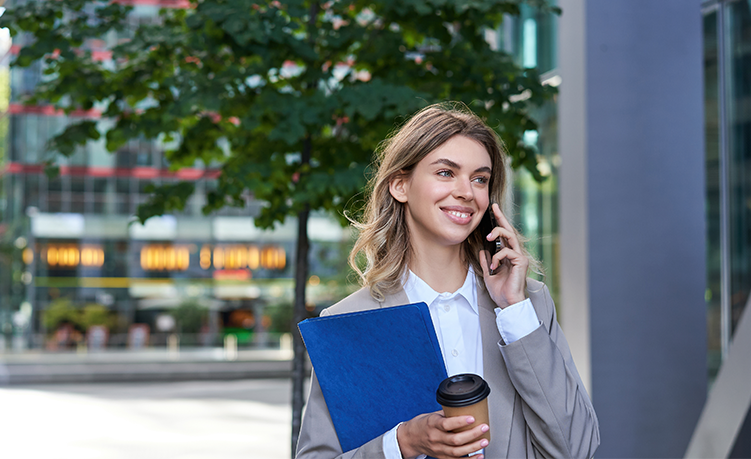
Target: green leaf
<point x="247" y="86"/>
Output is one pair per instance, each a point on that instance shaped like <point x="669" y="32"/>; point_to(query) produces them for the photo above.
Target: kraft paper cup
<point x="465" y="395"/>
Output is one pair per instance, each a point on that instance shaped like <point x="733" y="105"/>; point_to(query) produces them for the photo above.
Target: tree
<point x="289" y="98"/>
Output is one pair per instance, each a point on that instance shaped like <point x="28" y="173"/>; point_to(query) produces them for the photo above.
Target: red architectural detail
<point x="102" y="171"/>
<point x="145" y="172"/>
<point x="49" y="110"/>
<point x="232" y="274"/>
<point x="162" y="3"/>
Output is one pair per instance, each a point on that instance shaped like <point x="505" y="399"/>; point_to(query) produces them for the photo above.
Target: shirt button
<point x="454" y="352"/>
<point x="447" y="308"/>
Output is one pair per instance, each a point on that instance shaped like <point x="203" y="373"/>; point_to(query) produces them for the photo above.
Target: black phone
<point x="486" y="226"/>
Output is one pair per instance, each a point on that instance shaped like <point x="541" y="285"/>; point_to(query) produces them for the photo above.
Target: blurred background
<point x="173" y="337"/>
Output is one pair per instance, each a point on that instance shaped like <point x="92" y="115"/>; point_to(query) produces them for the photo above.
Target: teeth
<point x="458" y="214"/>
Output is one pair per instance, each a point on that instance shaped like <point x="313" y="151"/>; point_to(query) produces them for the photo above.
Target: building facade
<point x="72" y="237"/>
<point x="654" y="192"/>
<point x="643" y="223"/>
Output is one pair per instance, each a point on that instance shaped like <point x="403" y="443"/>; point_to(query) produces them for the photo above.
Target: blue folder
<point x="376" y="368"/>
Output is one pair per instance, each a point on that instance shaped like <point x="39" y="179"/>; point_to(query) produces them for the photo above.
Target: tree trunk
<point x="301" y="274"/>
<point x="301" y="278"/>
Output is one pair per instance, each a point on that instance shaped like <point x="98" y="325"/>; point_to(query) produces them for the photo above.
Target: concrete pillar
<point x="632" y="217"/>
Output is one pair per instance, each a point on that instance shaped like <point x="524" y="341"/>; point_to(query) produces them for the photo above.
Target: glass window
<point x="98" y="195"/>
<point x="78" y="194"/>
<point x="98" y="155"/>
<point x="537" y="203"/>
<point x="24" y="80"/>
<point x="55" y="195"/>
<point x="122" y="199"/>
<point x="31" y="191"/>
<point x="531" y="38"/>
<point x="33" y="144"/>
<point x="144" y="153"/>
<point x="123" y="158"/>
<point x="77" y="184"/>
<point x="738" y="79"/>
<point x="78" y="158"/>
<point x="712" y="168"/>
<point x="17" y="144"/>
<point x="727" y="75"/>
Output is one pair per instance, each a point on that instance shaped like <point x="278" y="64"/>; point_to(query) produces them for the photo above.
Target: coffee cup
<point x="465" y="395"/>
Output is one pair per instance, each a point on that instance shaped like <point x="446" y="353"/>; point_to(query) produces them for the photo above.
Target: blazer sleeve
<point x="555" y="405"/>
<point x="318" y="438"/>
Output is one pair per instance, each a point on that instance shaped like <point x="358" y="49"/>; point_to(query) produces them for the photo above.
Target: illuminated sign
<point x="28" y="256"/>
<point x="165" y="258"/>
<point x="239" y="257"/>
<point x="72" y="256"/>
<point x="156" y="257"/>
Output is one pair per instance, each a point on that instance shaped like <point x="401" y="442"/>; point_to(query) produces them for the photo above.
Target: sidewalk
<point x="239" y="419"/>
<point x="143" y="365"/>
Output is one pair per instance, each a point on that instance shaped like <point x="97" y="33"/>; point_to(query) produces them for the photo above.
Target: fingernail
<point x="485" y="428"/>
<point x="488" y="236"/>
<point x="470" y="420"/>
<point x="484" y="443"/>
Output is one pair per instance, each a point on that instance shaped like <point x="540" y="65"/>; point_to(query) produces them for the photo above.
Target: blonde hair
<point x="383" y="233"/>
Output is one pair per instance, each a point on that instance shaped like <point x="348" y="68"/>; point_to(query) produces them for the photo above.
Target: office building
<point x="644" y="222"/>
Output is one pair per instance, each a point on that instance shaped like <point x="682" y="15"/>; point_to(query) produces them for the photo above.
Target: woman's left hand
<point x="506" y="286"/>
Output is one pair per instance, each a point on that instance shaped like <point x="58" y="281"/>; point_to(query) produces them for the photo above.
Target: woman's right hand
<point x="431" y="434"/>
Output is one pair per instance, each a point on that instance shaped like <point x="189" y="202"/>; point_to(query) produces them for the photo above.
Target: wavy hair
<point x="383" y="233"/>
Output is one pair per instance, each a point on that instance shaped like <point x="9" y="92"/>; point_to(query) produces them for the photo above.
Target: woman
<point x="421" y="238"/>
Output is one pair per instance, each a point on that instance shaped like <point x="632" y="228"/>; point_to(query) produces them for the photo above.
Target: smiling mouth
<point x="458" y="214"/>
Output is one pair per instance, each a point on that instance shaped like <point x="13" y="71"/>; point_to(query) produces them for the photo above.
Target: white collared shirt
<point x="456" y="319"/>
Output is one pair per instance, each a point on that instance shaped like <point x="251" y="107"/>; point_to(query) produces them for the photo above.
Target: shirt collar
<point x="418" y="290"/>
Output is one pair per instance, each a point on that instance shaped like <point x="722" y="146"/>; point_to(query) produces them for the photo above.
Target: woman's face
<point x="447" y="193"/>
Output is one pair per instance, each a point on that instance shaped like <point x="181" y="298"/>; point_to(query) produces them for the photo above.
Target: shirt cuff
<point x="516" y="321"/>
<point x="391" y="445"/>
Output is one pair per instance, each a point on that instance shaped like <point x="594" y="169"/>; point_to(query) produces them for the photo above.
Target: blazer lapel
<point x="502" y="392"/>
<point x="395" y="299"/>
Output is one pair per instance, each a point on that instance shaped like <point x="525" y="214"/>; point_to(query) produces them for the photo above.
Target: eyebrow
<point x="452" y="164"/>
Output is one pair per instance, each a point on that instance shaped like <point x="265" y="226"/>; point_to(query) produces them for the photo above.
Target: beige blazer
<point x="538" y="404"/>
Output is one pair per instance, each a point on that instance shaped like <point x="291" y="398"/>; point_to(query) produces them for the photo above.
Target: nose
<point x="463" y="190"/>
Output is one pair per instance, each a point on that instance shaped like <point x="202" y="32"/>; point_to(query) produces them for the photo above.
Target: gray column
<point x="632" y="217"/>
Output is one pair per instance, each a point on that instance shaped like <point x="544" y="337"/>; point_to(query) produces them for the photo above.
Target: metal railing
<point x="153" y="341"/>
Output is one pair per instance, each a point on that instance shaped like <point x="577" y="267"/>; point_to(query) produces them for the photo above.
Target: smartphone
<point x="486" y="226"/>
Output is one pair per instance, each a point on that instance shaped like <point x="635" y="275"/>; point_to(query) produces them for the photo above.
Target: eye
<point x="483" y="180"/>
<point x="445" y="173"/>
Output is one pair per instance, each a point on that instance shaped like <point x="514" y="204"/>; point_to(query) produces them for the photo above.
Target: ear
<point x="398" y="187"/>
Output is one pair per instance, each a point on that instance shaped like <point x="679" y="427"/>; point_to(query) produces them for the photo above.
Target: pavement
<point x="36" y="367"/>
<point x="248" y="419"/>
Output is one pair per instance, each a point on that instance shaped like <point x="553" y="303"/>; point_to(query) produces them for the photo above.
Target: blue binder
<point x="376" y="368"/>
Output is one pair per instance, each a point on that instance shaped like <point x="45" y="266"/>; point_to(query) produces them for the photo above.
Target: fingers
<point x="501" y="232"/>
<point x="440" y="441"/>
<point x="470" y="437"/>
<point x="504" y="229"/>
<point x="512" y="256"/>
<point x="455" y="422"/>
<point x="464" y="450"/>
<point x="499" y="217"/>
<point x="460" y="444"/>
